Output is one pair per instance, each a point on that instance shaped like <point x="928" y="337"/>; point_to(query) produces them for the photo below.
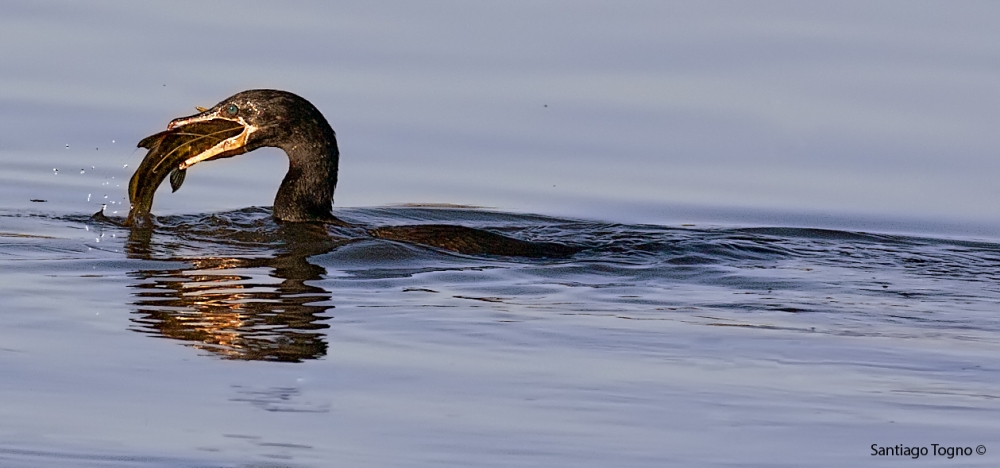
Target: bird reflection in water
<point x="257" y="308"/>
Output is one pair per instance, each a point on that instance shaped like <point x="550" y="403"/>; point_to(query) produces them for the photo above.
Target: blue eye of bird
<point x="232" y="109"/>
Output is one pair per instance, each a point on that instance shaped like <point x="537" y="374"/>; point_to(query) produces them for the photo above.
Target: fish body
<point x="167" y="152"/>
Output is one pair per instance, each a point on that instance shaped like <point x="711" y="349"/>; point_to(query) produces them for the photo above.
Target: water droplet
<point x="105" y="196"/>
<point x="82" y="171"/>
<point x="125" y="166"/>
<point x="67" y="145"/>
<point x="112" y="141"/>
<point x="88" y="197"/>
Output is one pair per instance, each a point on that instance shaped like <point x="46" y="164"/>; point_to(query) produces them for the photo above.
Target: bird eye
<point x="232" y="109"/>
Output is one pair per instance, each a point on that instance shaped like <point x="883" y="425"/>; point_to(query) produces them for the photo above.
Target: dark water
<point x="652" y="345"/>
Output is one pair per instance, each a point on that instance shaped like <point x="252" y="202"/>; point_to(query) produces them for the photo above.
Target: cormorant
<point x="266" y="117"/>
<point x="239" y="124"/>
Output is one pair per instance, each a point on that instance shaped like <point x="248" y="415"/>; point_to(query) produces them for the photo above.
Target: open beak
<point x="186" y="142"/>
<point x="227" y="147"/>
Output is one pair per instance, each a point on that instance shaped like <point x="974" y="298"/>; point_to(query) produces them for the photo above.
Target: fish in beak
<point x="216" y="133"/>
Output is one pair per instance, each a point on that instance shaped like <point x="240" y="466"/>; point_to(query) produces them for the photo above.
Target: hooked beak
<point x="231" y="146"/>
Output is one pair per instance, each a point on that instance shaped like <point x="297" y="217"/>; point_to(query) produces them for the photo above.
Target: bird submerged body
<point x="264" y="117"/>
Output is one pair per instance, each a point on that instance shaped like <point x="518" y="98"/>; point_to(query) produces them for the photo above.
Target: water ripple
<point x="241" y="286"/>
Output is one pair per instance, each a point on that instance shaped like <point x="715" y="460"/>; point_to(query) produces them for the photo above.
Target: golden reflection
<point x="256" y="308"/>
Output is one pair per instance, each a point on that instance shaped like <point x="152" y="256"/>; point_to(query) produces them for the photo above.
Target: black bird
<point x="240" y="124"/>
<point x="265" y="117"/>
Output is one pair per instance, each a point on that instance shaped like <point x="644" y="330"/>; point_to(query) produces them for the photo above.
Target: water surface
<point x="230" y="339"/>
<point x="787" y="215"/>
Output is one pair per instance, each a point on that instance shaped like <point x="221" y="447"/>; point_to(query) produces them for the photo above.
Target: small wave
<point x="240" y="285"/>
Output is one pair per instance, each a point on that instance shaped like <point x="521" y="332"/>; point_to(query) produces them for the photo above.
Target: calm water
<point x="787" y="215"/>
<point x="655" y="345"/>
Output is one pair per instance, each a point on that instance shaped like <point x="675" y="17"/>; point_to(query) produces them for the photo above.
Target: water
<point x="787" y="215"/>
<point x="654" y="345"/>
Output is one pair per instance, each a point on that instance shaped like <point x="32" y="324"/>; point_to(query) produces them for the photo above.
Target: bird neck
<point x="306" y="193"/>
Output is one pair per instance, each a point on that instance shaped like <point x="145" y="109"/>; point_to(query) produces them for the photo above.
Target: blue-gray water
<point x="787" y="213"/>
